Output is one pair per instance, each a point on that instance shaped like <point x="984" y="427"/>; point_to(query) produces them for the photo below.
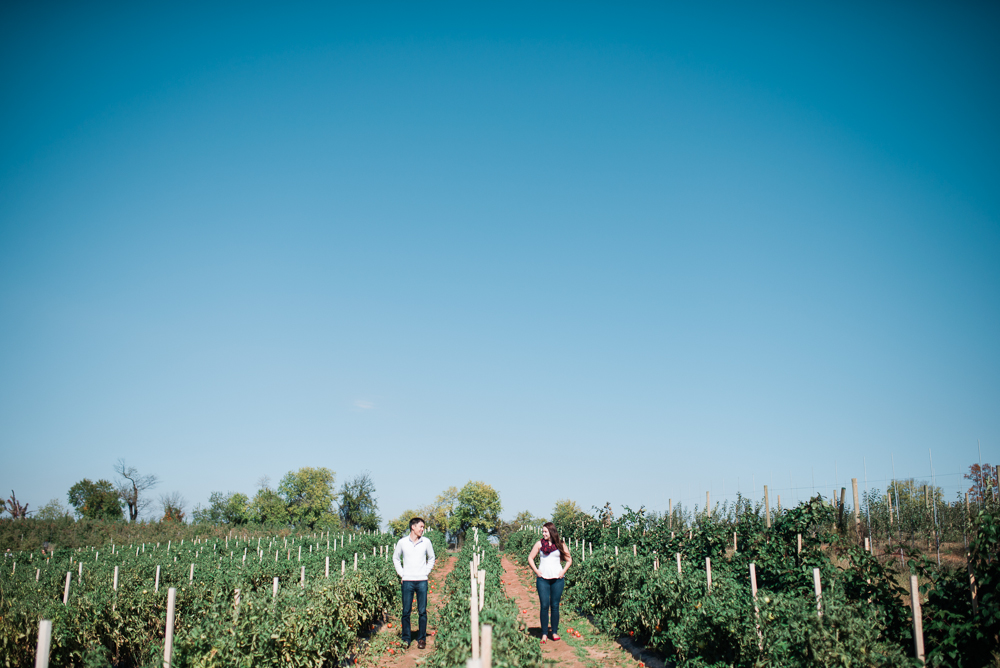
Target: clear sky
<point x="621" y="253"/>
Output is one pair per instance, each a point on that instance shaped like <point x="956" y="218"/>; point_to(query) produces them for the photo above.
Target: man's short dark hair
<point x="415" y="521"/>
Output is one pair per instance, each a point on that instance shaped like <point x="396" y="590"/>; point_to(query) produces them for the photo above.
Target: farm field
<point x="688" y="589"/>
<point x="294" y="601"/>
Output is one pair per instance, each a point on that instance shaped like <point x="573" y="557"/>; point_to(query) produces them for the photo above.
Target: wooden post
<point x="44" y="644"/>
<point x="966" y="505"/>
<point x="236" y="604"/>
<point x="972" y="584"/>
<point x="487" y="653"/>
<point x="156" y="585"/>
<point x="756" y="609"/>
<point x="79" y="570"/>
<point x="482" y="588"/>
<point x="69" y="576"/>
<point x="474" y="616"/>
<point x="327" y="566"/>
<point x="678" y="563"/>
<point x="708" y="572"/>
<point x="843" y="493"/>
<point x="799" y="548"/>
<point x="274" y="588"/>
<point x="168" y="638"/>
<point x="734" y="543"/>
<point x="819" y="592"/>
<point x="767" y="509"/>
<point x="114" y="583"/>
<point x="634" y="553"/>
<point x="888" y="501"/>
<point x="302" y="578"/>
<point x="343" y="567"/>
<point x="918" y="623"/>
<point x="857" y="504"/>
<point x="708" y="503"/>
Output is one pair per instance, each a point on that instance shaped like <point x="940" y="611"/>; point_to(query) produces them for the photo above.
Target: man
<point x="417" y="556"/>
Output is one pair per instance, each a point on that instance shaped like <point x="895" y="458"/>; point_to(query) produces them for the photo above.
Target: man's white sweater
<point x="417" y="558"/>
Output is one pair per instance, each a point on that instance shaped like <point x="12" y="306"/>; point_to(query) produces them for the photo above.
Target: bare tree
<point x="132" y="488"/>
<point x="15" y="508"/>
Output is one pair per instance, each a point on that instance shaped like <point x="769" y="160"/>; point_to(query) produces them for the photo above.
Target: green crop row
<point x="306" y="624"/>
<point x="512" y="646"/>
<point x="866" y="618"/>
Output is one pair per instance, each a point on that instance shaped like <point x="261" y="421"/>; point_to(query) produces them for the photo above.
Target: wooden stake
<point x="69" y="576"/>
<point x="767" y="509"/>
<point x="708" y="572"/>
<point x="482" y="588"/>
<point x="355" y="561"/>
<point x="168" y="638"/>
<point x="302" y="578"/>
<point x="114" y="582"/>
<point x="819" y="592"/>
<point x="156" y="585"/>
<point x="474" y="617"/>
<point x="735" y="550"/>
<point x="918" y="623"/>
<point x="857" y="503"/>
<point x="799" y="548"/>
<point x="274" y="588"/>
<point x="487" y="658"/>
<point x="678" y="555"/>
<point x="708" y="503"/>
<point x="756" y="609"/>
<point x="44" y="644"/>
<point x="327" y="572"/>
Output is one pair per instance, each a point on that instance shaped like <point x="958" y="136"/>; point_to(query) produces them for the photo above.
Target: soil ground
<point x="591" y="650"/>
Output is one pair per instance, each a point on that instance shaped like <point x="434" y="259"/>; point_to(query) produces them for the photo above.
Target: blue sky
<point x="623" y="254"/>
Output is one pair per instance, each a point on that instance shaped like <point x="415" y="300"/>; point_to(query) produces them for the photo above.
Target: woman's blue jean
<point x="549" y="592"/>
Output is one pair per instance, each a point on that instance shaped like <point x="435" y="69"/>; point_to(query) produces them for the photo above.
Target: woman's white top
<point x="550" y="565"/>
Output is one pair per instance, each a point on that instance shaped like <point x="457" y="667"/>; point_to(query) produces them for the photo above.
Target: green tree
<point x="53" y="510"/>
<point x="401" y="525"/>
<point x="477" y="505"/>
<point x="565" y="513"/>
<point x="95" y="500"/>
<point x="358" y="505"/>
<point x="437" y="515"/>
<point x="231" y="508"/>
<point x="268" y="508"/>
<point x="309" y="496"/>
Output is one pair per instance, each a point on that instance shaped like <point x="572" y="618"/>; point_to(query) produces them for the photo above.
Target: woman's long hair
<point x="556" y="540"/>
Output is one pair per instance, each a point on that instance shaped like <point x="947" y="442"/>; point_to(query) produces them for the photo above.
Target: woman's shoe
<point x="543" y="640"/>
<point x="555" y="636"/>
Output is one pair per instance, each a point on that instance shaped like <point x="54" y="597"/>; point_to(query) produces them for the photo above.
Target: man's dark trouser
<point x="411" y="587"/>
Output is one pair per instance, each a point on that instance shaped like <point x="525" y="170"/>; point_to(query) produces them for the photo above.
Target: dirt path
<point x="592" y="650"/>
<point x="388" y="637"/>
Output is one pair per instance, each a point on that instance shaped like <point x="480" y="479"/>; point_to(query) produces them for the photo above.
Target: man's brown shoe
<point x="421" y="644"/>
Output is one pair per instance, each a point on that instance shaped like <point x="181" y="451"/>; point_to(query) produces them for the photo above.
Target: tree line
<point x="305" y="498"/>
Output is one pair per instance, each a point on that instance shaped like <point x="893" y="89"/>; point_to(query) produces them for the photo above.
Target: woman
<point x="550" y="571"/>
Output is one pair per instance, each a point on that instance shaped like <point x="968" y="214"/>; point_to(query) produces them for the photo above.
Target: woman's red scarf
<point x="548" y="547"/>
